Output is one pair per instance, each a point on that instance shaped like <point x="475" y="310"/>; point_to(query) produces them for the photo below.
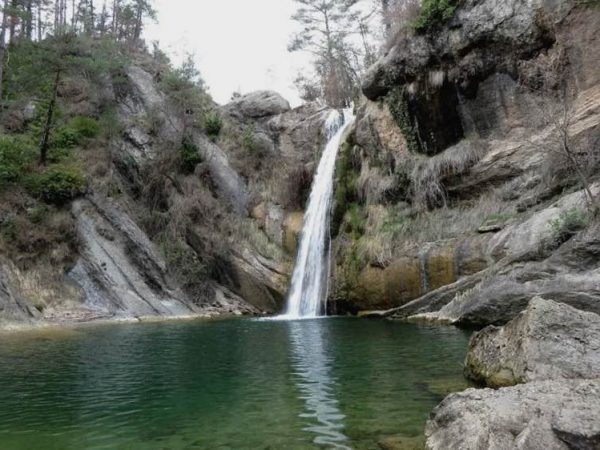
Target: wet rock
<point x="292" y="227"/>
<point x="544" y="415"/>
<point x="548" y="340"/>
<point x="402" y="443"/>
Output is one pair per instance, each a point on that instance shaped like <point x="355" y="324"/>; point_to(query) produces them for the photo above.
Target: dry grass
<point x="391" y="232"/>
<point x="428" y="173"/>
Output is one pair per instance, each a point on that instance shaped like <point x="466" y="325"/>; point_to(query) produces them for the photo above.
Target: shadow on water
<point x="312" y="366"/>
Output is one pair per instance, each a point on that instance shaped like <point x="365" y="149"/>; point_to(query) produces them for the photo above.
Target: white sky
<point x="237" y="44"/>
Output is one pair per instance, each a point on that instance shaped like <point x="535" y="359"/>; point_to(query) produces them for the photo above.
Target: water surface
<point x="239" y="384"/>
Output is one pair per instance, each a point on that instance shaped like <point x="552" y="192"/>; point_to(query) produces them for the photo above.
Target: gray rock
<point x="229" y="184"/>
<point x="13" y="308"/>
<point x="543" y="415"/>
<point x="259" y="104"/>
<point x="119" y="271"/>
<point x="483" y="36"/>
<point x="547" y="341"/>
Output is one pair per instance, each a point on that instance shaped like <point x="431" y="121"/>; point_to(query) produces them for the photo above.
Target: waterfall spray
<point x="308" y="292"/>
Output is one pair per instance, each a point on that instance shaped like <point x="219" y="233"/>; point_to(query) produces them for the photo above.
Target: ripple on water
<point x="239" y="384"/>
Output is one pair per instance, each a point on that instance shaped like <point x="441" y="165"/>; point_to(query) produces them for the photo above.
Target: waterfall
<point x="308" y="291"/>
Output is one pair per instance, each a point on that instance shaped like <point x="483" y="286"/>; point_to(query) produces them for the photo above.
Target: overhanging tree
<point x="326" y="28"/>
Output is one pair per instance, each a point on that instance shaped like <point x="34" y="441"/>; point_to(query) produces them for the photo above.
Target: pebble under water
<point x="234" y="384"/>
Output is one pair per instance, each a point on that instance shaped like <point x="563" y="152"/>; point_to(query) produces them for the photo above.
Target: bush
<point x="15" y="154"/>
<point x="433" y="14"/>
<point x="85" y="127"/>
<point x="213" y="125"/>
<point x="58" y="185"/>
<point x="567" y="224"/>
<point x="355" y="221"/>
<point x="248" y="140"/>
<point x="76" y="132"/>
<point x="190" y="156"/>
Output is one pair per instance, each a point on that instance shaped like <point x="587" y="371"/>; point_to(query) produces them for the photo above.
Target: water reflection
<point x="312" y="365"/>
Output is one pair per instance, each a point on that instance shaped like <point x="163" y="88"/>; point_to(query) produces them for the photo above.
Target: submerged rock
<point x="544" y="415"/>
<point x="548" y="340"/>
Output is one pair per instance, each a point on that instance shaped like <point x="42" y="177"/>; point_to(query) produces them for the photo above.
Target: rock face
<point x="120" y="272"/>
<point x="516" y="30"/>
<point x="553" y="349"/>
<point x="259" y="104"/>
<point x="544" y="415"/>
<point x="546" y="341"/>
<point x="455" y="132"/>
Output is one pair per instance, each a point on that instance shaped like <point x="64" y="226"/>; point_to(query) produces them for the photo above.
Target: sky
<point x="238" y="45"/>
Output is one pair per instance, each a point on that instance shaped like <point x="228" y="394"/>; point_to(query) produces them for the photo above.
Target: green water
<point x="239" y="384"/>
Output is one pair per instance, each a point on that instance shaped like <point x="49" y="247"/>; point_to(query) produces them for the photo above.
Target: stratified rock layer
<point x="542" y="415"/>
<point x="547" y="341"/>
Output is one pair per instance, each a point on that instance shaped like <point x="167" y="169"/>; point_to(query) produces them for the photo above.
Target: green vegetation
<point x="397" y="101"/>
<point x="16" y="155"/>
<point x="567" y="224"/>
<point x="434" y="14"/>
<point x="213" y="125"/>
<point x="189" y="156"/>
<point x="346" y="184"/>
<point x="355" y="221"/>
<point x="77" y="131"/>
<point x="58" y="185"/>
<point x="248" y="140"/>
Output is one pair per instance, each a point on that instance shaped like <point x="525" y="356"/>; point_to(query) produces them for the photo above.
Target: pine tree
<point x="326" y="28"/>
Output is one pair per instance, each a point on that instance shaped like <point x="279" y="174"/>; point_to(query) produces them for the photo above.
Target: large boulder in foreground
<point x="547" y="341"/>
<point x="544" y="415"/>
<point x="259" y="104"/>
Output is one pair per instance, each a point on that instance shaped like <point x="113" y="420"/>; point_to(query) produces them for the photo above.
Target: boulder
<point x="259" y="104"/>
<point x="542" y="415"/>
<point x="548" y="340"/>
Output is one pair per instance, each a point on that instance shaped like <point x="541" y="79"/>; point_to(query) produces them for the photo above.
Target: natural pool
<point x="236" y="384"/>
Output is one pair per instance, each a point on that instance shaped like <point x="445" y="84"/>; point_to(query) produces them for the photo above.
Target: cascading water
<point x="308" y="291"/>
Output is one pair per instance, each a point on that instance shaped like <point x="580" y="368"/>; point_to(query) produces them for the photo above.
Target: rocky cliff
<point x="176" y="220"/>
<point x="456" y="198"/>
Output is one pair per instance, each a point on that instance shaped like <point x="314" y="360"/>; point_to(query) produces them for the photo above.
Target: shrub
<point x="15" y="154"/>
<point x="397" y="101"/>
<point x="346" y="180"/>
<point x="85" y="127"/>
<point x="433" y="14"/>
<point x="76" y="132"/>
<point x="58" y="185"/>
<point x="189" y="156"/>
<point x="248" y="140"/>
<point x="355" y="221"/>
<point x="213" y="125"/>
<point x="567" y="224"/>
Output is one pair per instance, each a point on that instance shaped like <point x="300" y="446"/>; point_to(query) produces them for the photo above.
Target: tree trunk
<point x="29" y="26"/>
<point x="13" y="21"/>
<point x="115" y="18"/>
<point x="2" y="46"/>
<point x="39" y="20"/>
<point x="387" y="20"/>
<point x="138" y="23"/>
<point x="92" y="17"/>
<point x="45" y="141"/>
